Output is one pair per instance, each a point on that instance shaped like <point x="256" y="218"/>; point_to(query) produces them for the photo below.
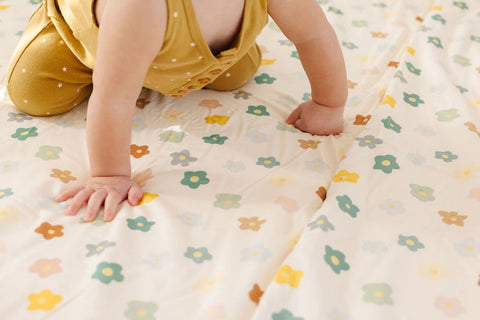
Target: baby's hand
<point x="316" y="119"/>
<point x="110" y="191"/>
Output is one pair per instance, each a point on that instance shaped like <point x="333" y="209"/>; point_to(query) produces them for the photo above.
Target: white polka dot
<point x="148" y="81"/>
<point x="47" y="113"/>
<point x="26" y="101"/>
<point x="155" y="67"/>
<point x="24" y="70"/>
<point x="78" y="90"/>
<point x="64" y="69"/>
<point x="192" y="44"/>
<point x="59" y="84"/>
<point x="200" y="57"/>
<point x="174" y="60"/>
<point x="227" y="75"/>
<point x="172" y="80"/>
<point x="61" y="42"/>
<point x="175" y="14"/>
<point x="44" y="40"/>
<point x="189" y="73"/>
<point x="189" y="80"/>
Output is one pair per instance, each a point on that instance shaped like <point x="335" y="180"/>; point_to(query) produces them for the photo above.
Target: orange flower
<point x="48" y="231"/>
<point x="361" y="120"/>
<point x="255" y="294"/>
<point x="322" y="193"/>
<point x="210" y="104"/>
<point x="305" y="144"/>
<point x="251" y="224"/>
<point x="452" y="218"/>
<point x="351" y="85"/>
<point x="138" y="151"/>
<point x="64" y="176"/>
<point x="393" y="64"/>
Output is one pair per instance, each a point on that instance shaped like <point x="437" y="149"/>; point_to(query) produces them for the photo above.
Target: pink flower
<point x="450" y="306"/>
<point x="288" y="204"/>
<point x="210" y="104"/>
<point x="46" y="267"/>
<point x="474" y="194"/>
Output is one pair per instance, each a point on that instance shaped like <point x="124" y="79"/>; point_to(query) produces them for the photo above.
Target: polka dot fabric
<point x="245" y="217"/>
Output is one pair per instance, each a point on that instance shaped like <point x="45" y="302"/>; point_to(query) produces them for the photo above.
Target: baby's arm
<point x="130" y="36"/>
<point x="304" y="23"/>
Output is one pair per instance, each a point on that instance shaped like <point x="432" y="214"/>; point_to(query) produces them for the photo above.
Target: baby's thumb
<point x="135" y="195"/>
<point x="294" y="116"/>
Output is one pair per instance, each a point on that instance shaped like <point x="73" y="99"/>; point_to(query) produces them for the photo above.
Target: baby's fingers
<point x="94" y="203"/>
<point x="111" y="204"/>
<point x="70" y="193"/>
<point x="135" y="195"/>
<point x="78" y="201"/>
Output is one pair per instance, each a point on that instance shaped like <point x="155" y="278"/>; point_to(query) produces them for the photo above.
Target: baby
<point x="110" y="49"/>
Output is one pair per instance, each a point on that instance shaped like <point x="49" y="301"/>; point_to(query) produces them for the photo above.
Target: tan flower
<point x="452" y="217"/>
<point x="251" y="224"/>
<point x="305" y="144"/>
<point x="210" y="104"/>
<point x="48" y="231"/>
<point x="63" y="175"/>
<point x="255" y="294"/>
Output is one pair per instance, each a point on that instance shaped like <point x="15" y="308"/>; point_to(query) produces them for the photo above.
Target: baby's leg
<point x="44" y="76"/>
<point x="240" y="73"/>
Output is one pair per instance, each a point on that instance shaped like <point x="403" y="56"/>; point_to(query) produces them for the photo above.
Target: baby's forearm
<point x="324" y="65"/>
<point x="108" y="137"/>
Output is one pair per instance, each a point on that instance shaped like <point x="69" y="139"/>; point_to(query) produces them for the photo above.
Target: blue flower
<point x="416" y="158"/>
<point x="257" y="136"/>
<point x="322" y="223"/>
<point x="190" y="219"/>
<point x="96" y="249"/>
<point x="242" y="95"/>
<point x="286" y="127"/>
<point x="18" y="117"/>
<point x="317" y="165"/>
<point x="5" y="193"/>
<point x="234" y="166"/>
<point x="183" y="158"/>
<point x="257" y="253"/>
<point x="368" y="141"/>
<point x="468" y="248"/>
<point x="157" y="260"/>
<point x="392" y="207"/>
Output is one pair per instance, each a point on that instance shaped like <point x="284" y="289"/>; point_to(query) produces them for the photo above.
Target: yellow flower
<point x="44" y="300"/>
<point x="410" y="50"/>
<point x="344" y="175"/>
<point x="388" y="100"/>
<point x="474" y="104"/>
<point x="434" y="271"/>
<point x="466" y="173"/>
<point x="289" y="276"/>
<point x="267" y="61"/>
<point x="147" y="198"/>
<point x="221" y="120"/>
<point x="292" y="239"/>
<point x="206" y="284"/>
<point x="282" y="180"/>
<point x="8" y="214"/>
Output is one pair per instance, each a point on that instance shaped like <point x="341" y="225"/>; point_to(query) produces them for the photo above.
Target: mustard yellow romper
<point x="51" y="69"/>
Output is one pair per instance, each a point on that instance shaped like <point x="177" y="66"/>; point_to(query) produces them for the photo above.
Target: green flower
<point x="435" y="41"/>
<point x="140" y="223"/>
<point x="5" y="193"/>
<point x="346" y="205"/>
<point x="380" y="5"/>
<point x="349" y="45"/>
<point x="461" y="5"/>
<point x="49" y="152"/>
<point x="360" y="23"/>
<point x="462" y="89"/>
<point x="335" y="10"/>
<point x="198" y="255"/>
<point x="215" y="139"/>
<point x="23" y="133"/>
<point x="285" y="314"/>
<point x="172" y="136"/>
<point x="258" y="110"/>
<point x="386" y="163"/>
<point x="282" y="126"/>
<point x="307" y="96"/>
<point x="412" y="99"/>
<point x="458" y="59"/>
<point x="194" y="179"/>
<point x="410" y="242"/>
<point x="438" y="17"/>
<point x="141" y="310"/>
<point x="475" y="38"/>
<point x="264" y="78"/>
<point x="388" y="123"/>
<point x="336" y="260"/>
<point x="269" y="162"/>
<point x="446" y="156"/>
<point x="35" y="1"/>
<point x="447" y="115"/>
<point x="106" y="272"/>
<point x="422" y="193"/>
<point x="294" y="54"/>
<point x="227" y="201"/>
<point x="412" y="69"/>
<point x="378" y="293"/>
